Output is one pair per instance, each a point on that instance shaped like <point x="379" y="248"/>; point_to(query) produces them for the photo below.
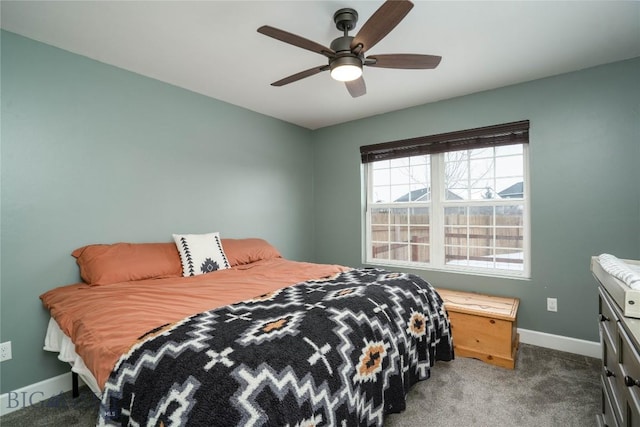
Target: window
<point x="455" y="202"/>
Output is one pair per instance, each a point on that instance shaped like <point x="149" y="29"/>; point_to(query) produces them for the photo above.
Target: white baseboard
<point x="558" y="342"/>
<point x="35" y="393"/>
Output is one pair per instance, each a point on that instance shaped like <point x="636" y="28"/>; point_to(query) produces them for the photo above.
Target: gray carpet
<point x="547" y="388"/>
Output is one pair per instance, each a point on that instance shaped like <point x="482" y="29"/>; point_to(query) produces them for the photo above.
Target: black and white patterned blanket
<point x="342" y="351"/>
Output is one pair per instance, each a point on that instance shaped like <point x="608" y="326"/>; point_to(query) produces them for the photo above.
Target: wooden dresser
<point x="620" y="376"/>
<point x="483" y="327"/>
<point x="620" y="365"/>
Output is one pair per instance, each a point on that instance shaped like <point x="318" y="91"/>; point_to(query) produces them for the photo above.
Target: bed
<point x="256" y="340"/>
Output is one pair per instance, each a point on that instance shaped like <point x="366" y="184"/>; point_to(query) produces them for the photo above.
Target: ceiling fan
<point x="346" y="54"/>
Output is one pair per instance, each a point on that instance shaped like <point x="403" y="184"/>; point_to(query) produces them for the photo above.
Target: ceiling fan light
<point x="346" y="68"/>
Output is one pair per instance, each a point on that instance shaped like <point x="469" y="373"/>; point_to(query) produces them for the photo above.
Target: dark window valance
<point x="488" y="136"/>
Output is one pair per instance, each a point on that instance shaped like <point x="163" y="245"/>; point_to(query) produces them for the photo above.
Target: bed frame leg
<point x="74" y="383"/>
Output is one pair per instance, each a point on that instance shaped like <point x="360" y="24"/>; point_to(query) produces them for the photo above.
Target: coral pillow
<point x="124" y="262"/>
<point x="245" y="251"/>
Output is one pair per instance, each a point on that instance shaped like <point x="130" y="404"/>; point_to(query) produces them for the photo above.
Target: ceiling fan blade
<point x="405" y="60"/>
<point x="301" y="75"/>
<point x="381" y="23"/>
<point x="356" y="87"/>
<point x="296" y="41"/>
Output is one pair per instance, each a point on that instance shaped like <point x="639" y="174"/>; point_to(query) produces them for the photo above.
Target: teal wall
<point x="94" y="154"/>
<point x="91" y="153"/>
<point x="585" y="184"/>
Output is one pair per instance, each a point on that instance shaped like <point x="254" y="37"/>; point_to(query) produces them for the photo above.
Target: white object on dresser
<point x="628" y="299"/>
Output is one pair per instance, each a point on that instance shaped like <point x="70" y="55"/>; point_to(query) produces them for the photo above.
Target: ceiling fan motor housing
<point x="347" y="60"/>
<point x="345" y="19"/>
<point x="344" y="57"/>
<point x="341" y="44"/>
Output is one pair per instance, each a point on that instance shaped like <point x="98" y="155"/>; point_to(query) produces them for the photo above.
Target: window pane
<point x="419" y="234"/>
<point x="481" y="175"/>
<point x="419" y="174"/>
<point x="399" y="233"/>
<point x="380" y="250"/>
<point x="456" y="255"/>
<point x="483" y="193"/>
<point x="394" y="163"/>
<point x="380" y="233"/>
<point x="455" y="216"/>
<point x="456" y="156"/>
<point x="480" y="237"/>
<point x="481" y="215"/>
<point x="456" y="179"/>
<point x="509" y="259"/>
<point x="400" y="193"/>
<point x="381" y="194"/>
<point x="484" y="236"/>
<point x="456" y="193"/>
<point x="419" y="193"/>
<point x="456" y="236"/>
<point x="379" y="216"/>
<point x="509" y="215"/>
<point x="510" y="188"/>
<point x="505" y="150"/>
<point x="399" y="216"/>
<point x="420" y="160"/>
<point x="400" y="252"/>
<point x="419" y="216"/>
<point x="381" y="177"/>
<point x="480" y="153"/>
<point x="420" y="253"/>
<point x="509" y="166"/>
<point x="399" y="176"/>
<point x="481" y="170"/>
<point x="381" y="164"/>
<point x="401" y="180"/>
<point x="509" y="237"/>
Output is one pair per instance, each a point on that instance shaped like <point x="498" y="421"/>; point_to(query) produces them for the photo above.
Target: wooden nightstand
<point x="483" y="327"/>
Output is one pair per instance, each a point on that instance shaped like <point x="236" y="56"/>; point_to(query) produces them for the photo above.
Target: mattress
<point x="58" y="342"/>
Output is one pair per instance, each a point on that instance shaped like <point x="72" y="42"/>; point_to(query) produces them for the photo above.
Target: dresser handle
<point x="603" y="318"/>
<point x="608" y="373"/>
<point x="630" y="382"/>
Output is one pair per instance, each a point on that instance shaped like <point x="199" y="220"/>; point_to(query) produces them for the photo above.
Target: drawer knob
<point x="630" y="382"/>
<point x="608" y="373"/>
<point x="603" y="318"/>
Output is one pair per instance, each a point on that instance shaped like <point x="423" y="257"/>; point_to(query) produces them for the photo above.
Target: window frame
<point x="437" y="205"/>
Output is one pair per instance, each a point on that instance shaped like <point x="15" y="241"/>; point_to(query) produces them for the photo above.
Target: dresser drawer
<point x="630" y="370"/>
<point x="608" y="318"/>
<point x="608" y="417"/>
<point x="632" y="415"/>
<point x="613" y="378"/>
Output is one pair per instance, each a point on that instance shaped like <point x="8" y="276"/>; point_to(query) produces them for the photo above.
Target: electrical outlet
<point x="5" y="351"/>
<point x="552" y="304"/>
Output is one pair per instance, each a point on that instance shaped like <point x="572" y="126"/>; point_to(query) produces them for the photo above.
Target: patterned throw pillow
<point x="200" y="253"/>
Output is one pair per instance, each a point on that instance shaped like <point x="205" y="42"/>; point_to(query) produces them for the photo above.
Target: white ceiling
<point x="212" y="47"/>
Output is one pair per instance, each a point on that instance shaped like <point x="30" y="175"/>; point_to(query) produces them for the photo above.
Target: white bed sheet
<point x="58" y="342"/>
